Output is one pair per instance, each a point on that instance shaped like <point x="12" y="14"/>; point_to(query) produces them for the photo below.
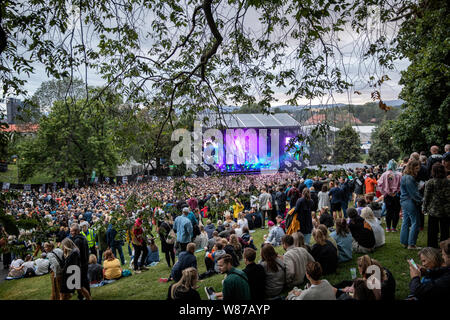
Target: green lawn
<point x="12" y="176"/>
<point x="145" y="286"/>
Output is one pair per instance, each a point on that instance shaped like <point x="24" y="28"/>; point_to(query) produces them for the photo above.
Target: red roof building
<point x="22" y="128"/>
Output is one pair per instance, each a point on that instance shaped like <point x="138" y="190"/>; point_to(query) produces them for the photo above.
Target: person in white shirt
<point x="375" y="224"/>
<point x="242" y="222"/>
<point x="318" y="290"/>
<point x="42" y="265"/>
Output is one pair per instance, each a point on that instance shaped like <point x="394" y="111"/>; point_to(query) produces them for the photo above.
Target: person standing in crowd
<point x="186" y="288"/>
<point x="389" y="184"/>
<point x="336" y="196"/>
<point x="265" y="205"/>
<point x="436" y="203"/>
<point x="235" y="286"/>
<point x="303" y="209"/>
<point x="421" y="177"/>
<point x="114" y="241"/>
<point x="167" y="243"/>
<point x="101" y="240"/>
<point x="435" y="157"/>
<point x="280" y="199"/>
<point x="295" y="260"/>
<point x="410" y="200"/>
<point x="183" y="227"/>
<point x="324" y="198"/>
<point x="139" y="240"/>
<point x="370" y="184"/>
<point x="56" y="258"/>
<point x="88" y="233"/>
<point x="255" y="274"/>
<point x="71" y="258"/>
<point x="82" y="244"/>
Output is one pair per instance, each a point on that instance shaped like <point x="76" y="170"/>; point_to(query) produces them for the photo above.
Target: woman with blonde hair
<point x="56" y="257"/>
<point x="95" y="270"/>
<point x="185" y="289"/>
<point x="378" y="231"/>
<point x="324" y="252"/>
<point x="71" y="258"/>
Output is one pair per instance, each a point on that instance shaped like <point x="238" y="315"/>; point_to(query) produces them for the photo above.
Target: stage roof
<point x="253" y="120"/>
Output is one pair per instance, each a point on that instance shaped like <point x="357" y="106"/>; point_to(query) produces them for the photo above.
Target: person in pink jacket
<point x="389" y="184"/>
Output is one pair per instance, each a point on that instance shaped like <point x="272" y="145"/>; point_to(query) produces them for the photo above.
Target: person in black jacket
<point x="82" y="244"/>
<point x="303" y="208"/>
<point x="186" y="259"/>
<point x="435" y="284"/>
<point x="281" y="201"/>
<point x="324" y="252"/>
<point x="168" y="248"/>
<point x="363" y="236"/>
<point x="255" y="274"/>
<point x="71" y="258"/>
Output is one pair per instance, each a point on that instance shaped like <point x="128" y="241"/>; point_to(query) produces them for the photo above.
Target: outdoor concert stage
<point x="249" y="144"/>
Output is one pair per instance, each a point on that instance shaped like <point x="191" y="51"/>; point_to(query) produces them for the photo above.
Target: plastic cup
<point x="353" y="273"/>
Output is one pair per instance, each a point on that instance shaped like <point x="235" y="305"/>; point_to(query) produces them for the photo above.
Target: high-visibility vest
<point x="89" y="237"/>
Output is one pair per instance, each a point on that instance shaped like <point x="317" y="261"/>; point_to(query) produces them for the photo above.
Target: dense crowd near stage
<point x="320" y="220"/>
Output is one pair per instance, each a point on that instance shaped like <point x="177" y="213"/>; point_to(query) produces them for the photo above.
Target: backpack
<point x="171" y="237"/>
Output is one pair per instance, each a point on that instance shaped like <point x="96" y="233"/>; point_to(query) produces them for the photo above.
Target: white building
<point x="365" y="135"/>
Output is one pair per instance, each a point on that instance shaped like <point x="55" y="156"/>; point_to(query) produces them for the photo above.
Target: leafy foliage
<point x="383" y="148"/>
<point x="347" y="146"/>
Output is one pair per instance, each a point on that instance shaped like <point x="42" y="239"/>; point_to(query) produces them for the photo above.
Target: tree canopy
<point x="347" y="147"/>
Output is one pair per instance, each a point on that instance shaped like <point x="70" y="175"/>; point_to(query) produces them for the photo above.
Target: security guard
<point x="90" y="237"/>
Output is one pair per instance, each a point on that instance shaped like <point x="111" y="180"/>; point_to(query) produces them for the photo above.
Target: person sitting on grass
<point x="16" y="269"/>
<point x="326" y="218"/>
<point x="295" y="260"/>
<point x="153" y="252"/>
<point x="255" y="274"/>
<point x="325" y="232"/>
<point x="275" y="234"/>
<point x="299" y="241"/>
<point x="111" y="266"/>
<point x="343" y="239"/>
<point x="431" y="280"/>
<point x="234" y="241"/>
<point x="95" y="270"/>
<point x="42" y="265"/>
<point x="383" y="289"/>
<point x="362" y="233"/>
<point x="375" y="224"/>
<point x="275" y="269"/>
<point x="318" y="289"/>
<point x="185" y="288"/>
<point x="186" y="259"/>
<point x="324" y="252"/>
<point x="211" y="259"/>
<point x="360" y="204"/>
<point x="235" y="286"/>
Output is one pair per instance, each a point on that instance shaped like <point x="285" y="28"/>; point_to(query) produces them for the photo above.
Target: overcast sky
<point x="357" y="71"/>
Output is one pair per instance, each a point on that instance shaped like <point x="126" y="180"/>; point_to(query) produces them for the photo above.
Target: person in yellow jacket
<point x="90" y="237"/>
<point x="238" y="207"/>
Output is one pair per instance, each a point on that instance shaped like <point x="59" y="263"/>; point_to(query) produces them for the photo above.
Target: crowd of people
<point x="309" y="217"/>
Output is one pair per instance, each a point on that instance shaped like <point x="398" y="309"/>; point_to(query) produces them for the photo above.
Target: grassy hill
<point x="146" y="286"/>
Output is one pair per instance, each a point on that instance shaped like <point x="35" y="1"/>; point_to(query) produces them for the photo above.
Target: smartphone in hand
<point x="411" y="261"/>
